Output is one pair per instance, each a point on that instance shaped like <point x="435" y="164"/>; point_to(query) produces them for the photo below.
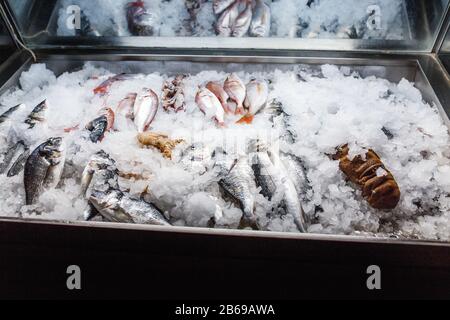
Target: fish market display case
<point x="390" y="40"/>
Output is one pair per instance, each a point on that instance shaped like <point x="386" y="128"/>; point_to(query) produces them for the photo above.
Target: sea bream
<point x="145" y="109"/>
<point x="236" y="90"/>
<point x="243" y="21"/>
<point x="210" y="105"/>
<point x="219" y="92"/>
<point x="220" y="5"/>
<point x="141" y="22"/>
<point x="38" y="115"/>
<point x="238" y="180"/>
<point x="227" y="20"/>
<point x="261" y="20"/>
<point x="124" y="116"/>
<point x="105" y="86"/>
<point x="256" y="99"/>
<point x="43" y="168"/>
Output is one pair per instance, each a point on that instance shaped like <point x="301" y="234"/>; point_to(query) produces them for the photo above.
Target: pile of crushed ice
<point x="324" y="18"/>
<point x="327" y="107"/>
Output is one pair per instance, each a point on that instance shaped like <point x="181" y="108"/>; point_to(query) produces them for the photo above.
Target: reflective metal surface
<point x="419" y="21"/>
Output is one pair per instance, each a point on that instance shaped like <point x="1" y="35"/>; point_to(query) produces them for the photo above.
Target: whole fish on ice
<point x="261" y="20"/>
<point x="256" y="99"/>
<point x="124" y="115"/>
<point x="243" y="21"/>
<point x="227" y="20"/>
<point x="145" y="109"/>
<point x="141" y="22"/>
<point x="210" y="105"/>
<point x="236" y="90"/>
<point x="105" y="86"/>
<point x="43" y="168"/>
<point x="8" y="113"/>
<point x="17" y="155"/>
<point x="219" y="92"/>
<point x="38" y="114"/>
<point x="220" y="5"/>
<point x="99" y="126"/>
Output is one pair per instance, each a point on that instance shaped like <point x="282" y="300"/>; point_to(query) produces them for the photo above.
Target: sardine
<point x="38" y="114"/>
<point x="99" y="126"/>
<point x="260" y="26"/>
<point x="210" y="105"/>
<point x="243" y="21"/>
<point x="116" y="206"/>
<point x="256" y="99"/>
<point x="141" y="22"/>
<point x="6" y="115"/>
<point x="145" y="109"/>
<point x="226" y="21"/>
<point x="220" y="5"/>
<point x="236" y="90"/>
<point x="238" y="180"/>
<point x="220" y="93"/>
<point x="104" y="87"/>
<point x="43" y="169"/>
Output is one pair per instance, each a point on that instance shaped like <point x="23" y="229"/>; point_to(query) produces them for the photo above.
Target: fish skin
<point x="210" y="105"/>
<point x="9" y="156"/>
<point x="243" y="21"/>
<point x="38" y="114"/>
<point x="221" y="5"/>
<point x="124" y="113"/>
<point x="226" y="21"/>
<point x="97" y="127"/>
<point x="220" y="93"/>
<point x="7" y="114"/>
<point x="145" y="109"/>
<point x="238" y="180"/>
<point x="104" y="87"/>
<point x="257" y="96"/>
<point x="43" y="168"/>
<point x="19" y="163"/>
<point x="296" y="171"/>
<point x="236" y="90"/>
<point x="141" y="22"/>
<point x="100" y="173"/>
<point x="261" y="20"/>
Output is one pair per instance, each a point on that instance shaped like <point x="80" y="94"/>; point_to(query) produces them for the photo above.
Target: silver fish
<point x="43" y="168"/>
<point x="210" y="105"/>
<point x="13" y="151"/>
<point x="141" y="22"/>
<point x="145" y="109"/>
<point x="6" y="115"/>
<point x="236" y="90"/>
<point x="226" y="21"/>
<point x="238" y="180"/>
<point x="116" y="206"/>
<point x="22" y="152"/>
<point x="220" y="5"/>
<point x="260" y="26"/>
<point x="100" y="173"/>
<point x="296" y="171"/>
<point x="38" y="114"/>
<point x="243" y="21"/>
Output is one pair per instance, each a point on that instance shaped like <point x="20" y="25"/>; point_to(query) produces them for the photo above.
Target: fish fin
<point x="247" y="119"/>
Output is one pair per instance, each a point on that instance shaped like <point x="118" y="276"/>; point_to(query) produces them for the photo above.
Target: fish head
<point x="53" y="150"/>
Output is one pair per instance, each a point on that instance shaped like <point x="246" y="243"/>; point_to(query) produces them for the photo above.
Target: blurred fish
<point x="104" y="87"/>
<point x="260" y="26"/>
<point x="210" y="105"/>
<point x="141" y="22"/>
<point x="296" y="171"/>
<point x="220" y="5"/>
<point x="193" y="6"/>
<point x="100" y="173"/>
<point x="99" y="126"/>
<point x="220" y="93"/>
<point x="227" y="20"/>
<point x="145" y="109"/>
<point x="243" y="21"/>
<point x="21" y="154"/>
<point x="6" y="115"/>
<point x="86" y="29"/>
<point x="38" y="114"/>
<point x="13" y="151"/>
<point x="238" y="180"/>
<point x="236" y="90"/>
<point x="124" y="113"/>
<point x="256" y="99"/>
<point x="173" y="94"/>
<point x="43" y="169"/>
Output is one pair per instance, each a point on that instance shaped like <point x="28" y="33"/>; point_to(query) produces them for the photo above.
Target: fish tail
<point x="247" y="119"/>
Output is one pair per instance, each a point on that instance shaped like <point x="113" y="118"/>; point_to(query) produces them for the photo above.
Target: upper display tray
<point x="291" y="24"/>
